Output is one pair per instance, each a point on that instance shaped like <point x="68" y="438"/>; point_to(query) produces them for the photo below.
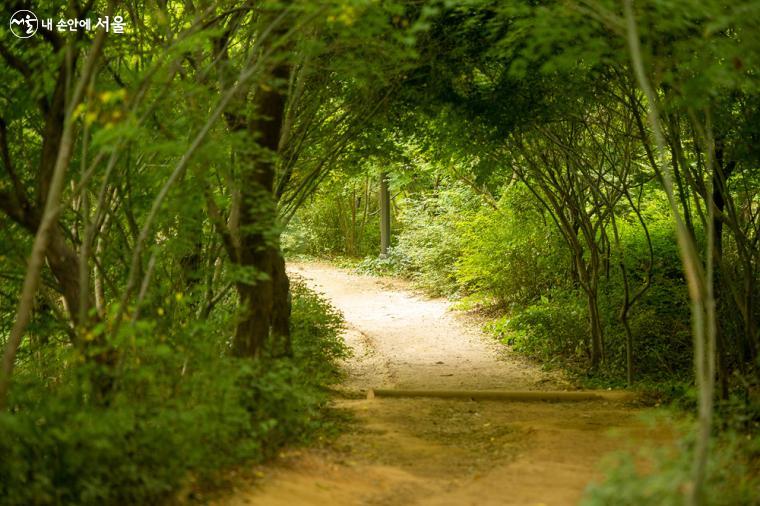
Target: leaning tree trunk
<point x="47" y="238"/>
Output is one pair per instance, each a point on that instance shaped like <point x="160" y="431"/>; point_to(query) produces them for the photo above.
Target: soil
<point x="424" y="451"/>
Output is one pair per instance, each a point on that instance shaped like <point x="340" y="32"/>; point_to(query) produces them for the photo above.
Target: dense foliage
<point x="588" y="172"/>
<point x="180" y="407"/>
<point x="150" y="333"/>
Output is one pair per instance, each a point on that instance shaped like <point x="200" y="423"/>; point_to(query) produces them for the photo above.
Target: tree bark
<point x="264" y="298"/>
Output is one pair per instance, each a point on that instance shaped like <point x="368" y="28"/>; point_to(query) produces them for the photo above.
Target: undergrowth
<point x="172" y="415"/>
<point x="663" y="474"/>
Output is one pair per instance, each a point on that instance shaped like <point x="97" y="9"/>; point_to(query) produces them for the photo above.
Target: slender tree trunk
<point x="47" y="234"/>
<point x="699" y="279"/>
<point x="385" y="214"/>
<point x="597" y="350"/>
<point x="589" y="286"/>
<point x="720" y="334"/>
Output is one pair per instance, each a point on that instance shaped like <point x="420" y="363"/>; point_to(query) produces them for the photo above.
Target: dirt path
<point x="402" y="340"/>
<point x="436" y="451"/>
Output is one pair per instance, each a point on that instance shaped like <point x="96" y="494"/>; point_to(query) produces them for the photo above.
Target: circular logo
<point x="24" y="24"/>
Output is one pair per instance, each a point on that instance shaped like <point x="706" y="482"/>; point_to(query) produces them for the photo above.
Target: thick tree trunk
<point x="264" y="298"/>
<point x="259" y="246"/>
<point x="281" y="307"/>
<point x="265" y="307"/>
<point x="256" y="303"/>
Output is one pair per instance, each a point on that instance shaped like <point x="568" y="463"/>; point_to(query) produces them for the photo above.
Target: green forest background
<point x="584" y="173"/>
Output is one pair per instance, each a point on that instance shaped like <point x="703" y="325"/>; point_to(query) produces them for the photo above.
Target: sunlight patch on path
<point x="423" y="343"/>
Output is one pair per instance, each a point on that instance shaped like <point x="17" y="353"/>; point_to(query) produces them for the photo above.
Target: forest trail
<point x="436" y="451"/>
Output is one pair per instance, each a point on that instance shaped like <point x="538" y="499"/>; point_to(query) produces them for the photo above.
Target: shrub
<point x="316" y="332"/>
<point x="394" y="263"/>
<point x="429" y="246"/>
<point x="172" y="414"/>
<point x="552" y="330"/>
<point x="511" y="254"/>
<point x="339" y="219"/>
<point x="731" y="476"/>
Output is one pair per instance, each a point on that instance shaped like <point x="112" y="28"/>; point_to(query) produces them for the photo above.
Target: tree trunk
<point x="64" y="263"/>
<point x="718" y="280"/>
<point x="589" y="284"/>
<point x="281" y="308"/>
<point x="385" y="214"/>
<point x="595" y="323"/>
<point x="47" y="233"/>
<point x="264" y="296"/>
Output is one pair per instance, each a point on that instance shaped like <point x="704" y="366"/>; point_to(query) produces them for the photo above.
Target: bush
<point x="394" y="263"/>
<point x="66" y="451"/>
<point x="429" y="246"/>
<point x="316" y="332"/>
<point x="731" y="475"/>
<point x="552" y="330"/>
<point x="519" y="261"/>
<point x="172" y="415"/>
<point x="339" y="219"/>
<point x="511" y="254"/>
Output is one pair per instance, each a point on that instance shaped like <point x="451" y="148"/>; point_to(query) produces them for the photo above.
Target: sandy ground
<point x="402" y="340"/>
<point x="436" y="451"/>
